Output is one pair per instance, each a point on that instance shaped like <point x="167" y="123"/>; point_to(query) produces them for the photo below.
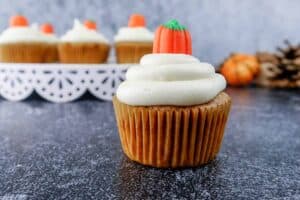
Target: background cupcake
<point x="171" y="111"/>
<point x="21" y="43"/>
<point x="52" y="42"/>
<point x="83" y="44"/>
<point x="134" y="41"/>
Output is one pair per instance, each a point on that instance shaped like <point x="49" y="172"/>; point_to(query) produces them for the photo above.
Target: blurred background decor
<point x="217" y="28"/>
<point x="280" y="69"/>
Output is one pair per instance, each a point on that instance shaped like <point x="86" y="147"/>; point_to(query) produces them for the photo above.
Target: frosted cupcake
<point x="134" y="41"/>
<point x="21" y="43"/>
<point x="171" y="111"/>
<point x="83" y="44"/>
<point x="52" y="42"/>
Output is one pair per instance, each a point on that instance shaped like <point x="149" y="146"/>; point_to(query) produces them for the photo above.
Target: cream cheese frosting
<point x="79" y="33"/>
<point x="22" y="34"/>
<point x="51" y="38"/>
<point x="134" y="34"/>
<point x="170" y="79"/>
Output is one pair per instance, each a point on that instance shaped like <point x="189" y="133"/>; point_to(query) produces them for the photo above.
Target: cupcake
<point x="171" y="111"/>
<point x="21" y="43"/>
<point x="83" y="44"/>
<point x="52" y="42"/>
<point x="134" y="41"/>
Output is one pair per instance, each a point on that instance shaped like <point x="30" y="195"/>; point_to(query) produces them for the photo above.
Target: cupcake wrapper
<point x="83" y="52"/>
<point x="170" y="136"/>
<point x="51" y="53"/>
<point x="23" y="52"/>
<point x="132" y="52"/>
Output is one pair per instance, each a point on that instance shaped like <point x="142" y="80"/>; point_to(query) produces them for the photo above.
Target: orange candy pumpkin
<point x="240" y="69"/>
<point x="47" y="28"/>
<point x="90" y="24"/>
<point x="136" y="20"/>
<point x="172" y="38"/>
<point x="18" y="20"/>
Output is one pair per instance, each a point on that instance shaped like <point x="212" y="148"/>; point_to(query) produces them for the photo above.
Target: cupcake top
<point x="20" y="31"/>
<point x="48" y="32"/>
<point x="135" y="32"/>
<point x="171" y="75"/>
<point x="83" y="33"/>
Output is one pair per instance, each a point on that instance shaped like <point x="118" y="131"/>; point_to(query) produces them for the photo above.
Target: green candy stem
<point x="174" y="25"/>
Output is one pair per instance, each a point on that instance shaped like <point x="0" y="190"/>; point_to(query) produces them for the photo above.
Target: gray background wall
<point x="218" y="27"/>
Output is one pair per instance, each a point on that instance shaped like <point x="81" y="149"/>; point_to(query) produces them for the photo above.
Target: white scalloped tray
<point x="60" y="83"/>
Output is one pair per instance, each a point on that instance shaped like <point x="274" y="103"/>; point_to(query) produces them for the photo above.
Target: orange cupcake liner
<point x="172" y="136"/>
<point x="132" y="52"/>
<point x="23" y="52"/>
<point x="51" y="53"/>
<point x="83" y="52"/>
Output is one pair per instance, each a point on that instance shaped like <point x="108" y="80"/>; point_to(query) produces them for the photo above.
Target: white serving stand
<point x="60" y="83"/>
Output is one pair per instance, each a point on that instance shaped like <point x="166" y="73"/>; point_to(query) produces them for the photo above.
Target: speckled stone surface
<point x="72" y="151"/>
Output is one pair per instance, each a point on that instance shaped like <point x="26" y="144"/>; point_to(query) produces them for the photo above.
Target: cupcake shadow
<point x="139" y="181"/>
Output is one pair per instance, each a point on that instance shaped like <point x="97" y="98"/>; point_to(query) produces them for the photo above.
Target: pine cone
<point x="264" y="57"/>
<point x="280" y="69"/>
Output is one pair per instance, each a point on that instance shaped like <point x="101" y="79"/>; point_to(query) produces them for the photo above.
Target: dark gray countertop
<point x="72" y="151"/>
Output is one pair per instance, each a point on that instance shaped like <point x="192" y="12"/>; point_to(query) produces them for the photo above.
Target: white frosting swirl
<point x="134" y="34"/>
<point x="51" y="38"/>
<point x="170" y="79"/>
<point x="22" y="34"/>
<point x="79" y="33"/>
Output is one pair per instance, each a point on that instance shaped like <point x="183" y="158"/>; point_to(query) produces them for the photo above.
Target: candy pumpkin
<point x="240" y="69"/>
<point x="90" y="24"/>
<point x="18" y="20"/>
<point x="47" y="28"/>
<point x="172" y="38"/>
<point x="136" y="20"/>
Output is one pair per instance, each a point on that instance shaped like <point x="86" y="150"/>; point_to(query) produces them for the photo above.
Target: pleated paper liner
<point x="132" y="52"/>
<point x="172" y="136"/>
<point x="51" y="54"/>
<point x="23" y="52"/>
<point x="83" y="52"/>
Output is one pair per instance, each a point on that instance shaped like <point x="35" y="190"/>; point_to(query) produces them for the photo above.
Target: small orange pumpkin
<point x="172" y="38"/>
<point x="240" y="69"/>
